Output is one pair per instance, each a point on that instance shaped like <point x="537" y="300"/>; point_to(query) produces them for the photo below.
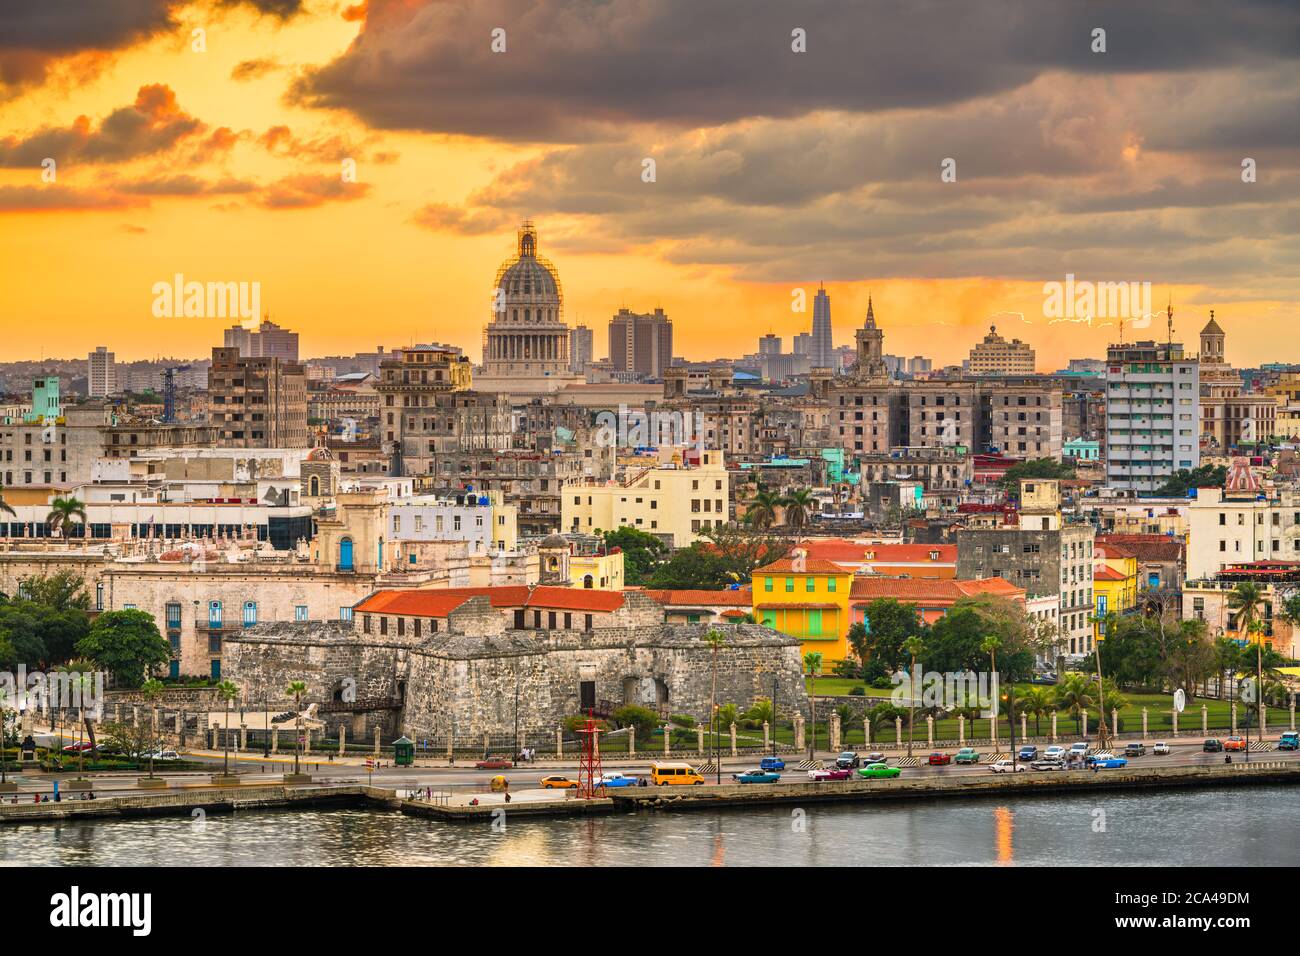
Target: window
<point x="214" y="614"/>
<point x="767" y="584"/>
<point x="830" y="585"/>
<point x="810" y="585"/>
<point x="250" y="613"/>
<point x="345" y="614"/>
<point x="174" y="616"/>
<point x="789" y="585"/>
<point x="815" y="622"/>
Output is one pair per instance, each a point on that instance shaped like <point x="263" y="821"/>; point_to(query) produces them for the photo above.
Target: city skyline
<point x="228" y="164"/>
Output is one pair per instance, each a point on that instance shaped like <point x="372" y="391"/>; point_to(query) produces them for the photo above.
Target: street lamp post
<point x="774" y="716"/>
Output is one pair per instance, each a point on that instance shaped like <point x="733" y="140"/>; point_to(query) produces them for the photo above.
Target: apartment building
<point x="257" y="402"/>
<point x="1152" y="414"/>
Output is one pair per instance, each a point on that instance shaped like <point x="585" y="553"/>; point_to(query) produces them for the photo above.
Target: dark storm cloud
<point x="574" y="70"/>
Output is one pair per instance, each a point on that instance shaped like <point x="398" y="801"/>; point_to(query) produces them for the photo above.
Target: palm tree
<point x="1245" y="600"/>
<point x="227" y="691"/>
<point x="913" y="647"/>
<point x="812" y="662"/>
<point x="1074" y="693"/>
<point x="295" y="690"/>
<point x="1036" y="701"/>
<point x="761" y="511"/>
<point x="1227" y="658"/>
<point x="799" y="506"/>
<point x="62" y="511"/>
<point x="151" y="690"/>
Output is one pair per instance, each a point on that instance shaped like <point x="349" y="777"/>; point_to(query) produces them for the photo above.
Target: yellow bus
<point x="668" y="774"/>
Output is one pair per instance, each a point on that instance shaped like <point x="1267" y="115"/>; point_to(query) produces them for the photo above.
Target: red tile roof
<point x="843" y="550"/>
<point x="741" y="597"/>
<point x="1147" y="547"/>
<point x="439" y="602"/>
<point x="930" y="590"/>
<point x="808" y="565"/>
<point x="1107" y="574"/>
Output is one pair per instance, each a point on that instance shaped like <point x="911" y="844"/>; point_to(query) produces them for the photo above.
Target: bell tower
<point x="871" y="347"/>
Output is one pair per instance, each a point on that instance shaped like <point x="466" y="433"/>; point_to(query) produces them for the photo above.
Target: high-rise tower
<point x="823" y="346"/>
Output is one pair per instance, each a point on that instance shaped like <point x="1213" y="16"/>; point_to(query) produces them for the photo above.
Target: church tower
<point x="871" y="348"/>
<point x="1212" y="337"/>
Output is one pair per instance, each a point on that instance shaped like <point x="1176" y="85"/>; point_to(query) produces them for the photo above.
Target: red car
<point x="495" y="763"/>
<point x="84" y="746"/>
<point x="834" y="773"/>
<point x="939" y="760"/>
<point x="1234" y="743"/>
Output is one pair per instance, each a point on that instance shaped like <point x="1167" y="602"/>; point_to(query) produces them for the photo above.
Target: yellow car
<point x="558" y="782"/>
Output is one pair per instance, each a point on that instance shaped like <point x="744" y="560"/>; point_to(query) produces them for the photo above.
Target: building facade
<point x="1152" y="414"/>
<point x="257" y="402"/>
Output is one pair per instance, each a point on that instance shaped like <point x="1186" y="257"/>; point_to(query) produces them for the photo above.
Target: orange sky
<point x="167" y="163"/>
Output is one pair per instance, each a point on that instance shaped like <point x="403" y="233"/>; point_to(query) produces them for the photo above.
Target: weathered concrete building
<point x="434" y="662"/>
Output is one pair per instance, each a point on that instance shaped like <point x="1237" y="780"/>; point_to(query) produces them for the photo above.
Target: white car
<point x="1007" y="766"/>
<point x="1079" y="750"/>
<point x="1054" y="752"/>
<point x="161" y="755"/>
<point x="1160" y="748"/>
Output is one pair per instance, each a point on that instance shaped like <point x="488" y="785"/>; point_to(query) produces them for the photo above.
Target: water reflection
<point x="1241" y="825"/>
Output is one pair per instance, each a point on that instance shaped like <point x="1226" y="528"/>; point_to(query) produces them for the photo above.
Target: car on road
<point x="756" y="776"/>
<point x="161" y="755"/>
<point x="613" y="780"/>
<point x="1289" y="741"/>
<point x="848" y="760"/>
<point x="1078" y="750"/>
<point x="833" y="773"/>
<point x="966" y="755"/>
<point x="771" y="763"/>
<point x="1029" y="752"/>
<point x="494" y="763"/>
<point x="1101" y="755"/>
<point x="1212" y="746"/>
<point x="938" y="759"/>
<point x="873" y="770"/>
<point x="1054" y="752"/>
<point x="1007" y="765"/>
<point x="1046" y="763"/>
<point x="558" y="782"/>
<point x="1109" y="762"/>
<point x="1161" y="749"/>
<point x="1235" y="743"/>
<point x="876" y="757"/>
<point x="1135" y="749"/>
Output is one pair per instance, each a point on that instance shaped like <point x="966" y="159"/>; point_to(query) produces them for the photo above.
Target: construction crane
<point x="169" y="391"/>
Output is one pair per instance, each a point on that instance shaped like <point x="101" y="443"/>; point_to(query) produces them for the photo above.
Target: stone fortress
<point x="432" y="662"/>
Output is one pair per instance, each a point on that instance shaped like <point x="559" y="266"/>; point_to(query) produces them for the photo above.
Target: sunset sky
<point x="775" y="170"/>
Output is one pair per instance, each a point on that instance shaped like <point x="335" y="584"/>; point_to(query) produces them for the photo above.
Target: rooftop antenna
<point x="1169" y="321"/>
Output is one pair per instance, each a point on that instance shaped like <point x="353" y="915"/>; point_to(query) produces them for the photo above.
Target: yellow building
<point x="602" y="572"/>
<point x="807" y="598"/>
<point x="672" y="501"/>
<point x="1114" y="582"/>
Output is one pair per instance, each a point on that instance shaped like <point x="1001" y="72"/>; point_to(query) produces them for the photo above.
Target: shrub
<point x="846" y="668"/>
<point x="644" y="721"/>
<point x="683" y="720"/>
<point x="857" y="692"/>
<point x="579" y="721"/>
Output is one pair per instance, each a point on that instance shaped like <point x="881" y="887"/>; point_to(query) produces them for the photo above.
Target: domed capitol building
<point x="526" y="345"/>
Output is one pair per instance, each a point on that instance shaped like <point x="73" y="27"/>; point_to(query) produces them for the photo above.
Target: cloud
<point x="574" y="71"/>
<point x="56" y="198"/>
<point x="247" y="70"/>
<point x="308" y="190"/>
<point x="152" y="124"/>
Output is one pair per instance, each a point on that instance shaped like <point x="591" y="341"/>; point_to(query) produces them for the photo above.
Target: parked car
<point x="1110" y="762"/>
<point x="1212" y="746"/>
<point x="1054" y="752"/>
<point x="771" y="763"/>
<point x="756" y="776"/>
<point x="873" y="770"/>
<point x="876" y="757"/>
<point x="1094" y="758"/>
<point x="1135" y="749"/>
<point x="1079" y="750"/>
<point x="84" y="746"/>
<point x="835" y="773"/>
<point x="848" y="760"/>
<point x="1029" y="752"/>
<point x="1007" y="765"/>
<point x="1047" y="763"/>
<point x="1161" y="749"/>
<point x="558" y="782"/>
<point x="939" y="760"/>
<point x="612" y="780"/>
<point x="1235" y="743"/>
<point x="967" y="755"/>
<point x="1289" y="741"/>
<point x="495" y="763"/>
<point x="161" y="755"/>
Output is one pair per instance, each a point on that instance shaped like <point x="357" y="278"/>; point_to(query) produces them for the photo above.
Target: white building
<point x="102" y="377"/>
<point x="482" y="521"/>
<point x="1152" y="414"/>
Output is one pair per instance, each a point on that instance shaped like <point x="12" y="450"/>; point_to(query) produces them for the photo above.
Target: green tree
<point x="715" y="639"/>
<point x="1036" y="702"/>
<point x="62" y="512"/>
<point x="1075" y="694"/>
<point x="126" y="644"/>
<point x="759" y="713"/>
<point x="1245" y="599"/>
<point x="799" y="508"/>
<point x="640" y="719"/>
<point x="295" y="690"/>
<point x="1034" y="468"/>
<point x="1182" y="481"/>
<point x="888" y="624"/>
<point x="642" y="552"/>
